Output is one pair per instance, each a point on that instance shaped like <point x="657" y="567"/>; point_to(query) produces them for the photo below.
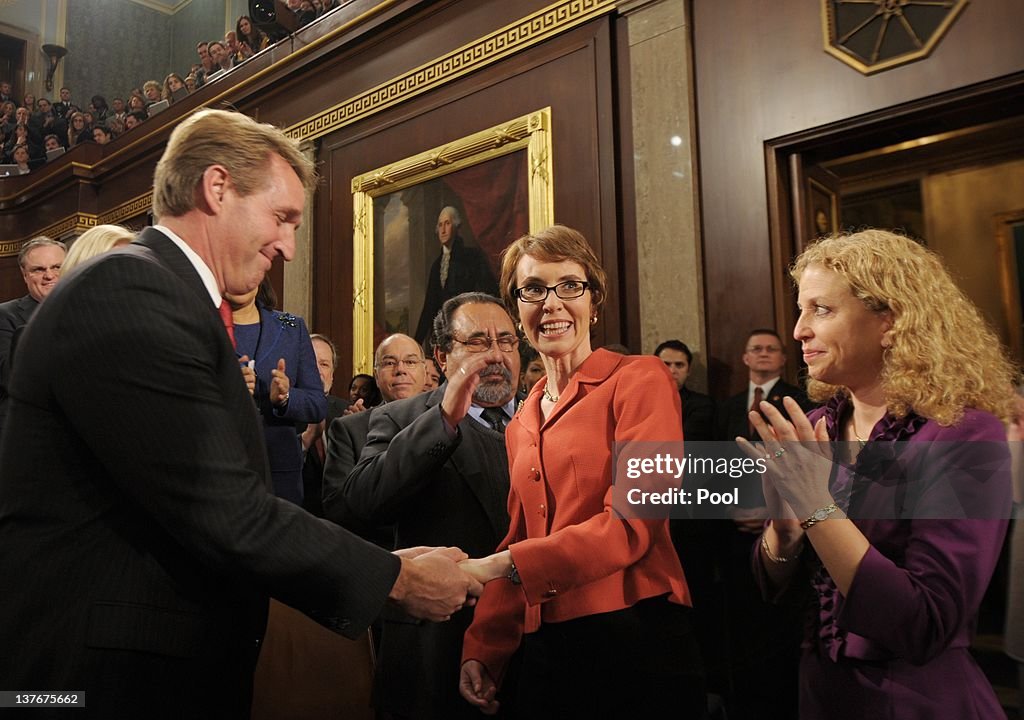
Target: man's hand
<point x="431" y="585"/>
<point x="477" y="687"/>
<point x="462" y="383"/>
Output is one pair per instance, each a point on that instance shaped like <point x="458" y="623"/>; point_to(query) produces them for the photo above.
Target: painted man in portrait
<point x="456" y="270"/>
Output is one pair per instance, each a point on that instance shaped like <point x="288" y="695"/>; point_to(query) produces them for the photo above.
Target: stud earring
<point x="593" y="319"/>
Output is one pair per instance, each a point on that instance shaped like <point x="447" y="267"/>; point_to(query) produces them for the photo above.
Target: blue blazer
<point x="284" y="335"/>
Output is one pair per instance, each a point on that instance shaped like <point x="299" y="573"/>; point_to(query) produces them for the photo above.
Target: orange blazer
<point x="574" y="555"/>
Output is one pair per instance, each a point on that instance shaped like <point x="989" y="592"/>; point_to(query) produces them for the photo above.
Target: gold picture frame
<point x="528" y="135"/>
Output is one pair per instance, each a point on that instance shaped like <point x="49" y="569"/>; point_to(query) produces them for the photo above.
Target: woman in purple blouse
<point x="895" y="506"/>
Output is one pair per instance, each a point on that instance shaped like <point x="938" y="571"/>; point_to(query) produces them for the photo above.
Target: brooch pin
<point x="288" y="319"/>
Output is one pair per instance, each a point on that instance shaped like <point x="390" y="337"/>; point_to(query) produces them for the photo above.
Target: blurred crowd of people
<point x="34" y="131"/>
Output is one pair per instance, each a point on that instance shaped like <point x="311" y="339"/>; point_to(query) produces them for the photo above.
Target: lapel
<point x="594" y="370"/>
<point x="25" y="306"/>
<point x="270" y="335"/>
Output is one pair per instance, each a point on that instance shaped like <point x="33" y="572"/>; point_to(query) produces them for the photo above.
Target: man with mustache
<point x="435" y="467"/>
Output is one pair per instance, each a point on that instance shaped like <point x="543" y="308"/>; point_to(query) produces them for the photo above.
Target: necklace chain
<point x="548" y="395"/>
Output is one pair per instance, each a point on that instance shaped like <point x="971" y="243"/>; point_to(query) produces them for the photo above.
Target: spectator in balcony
<point x="137" y="104"/>
<point x="62" y="109"/>
<point x="151" y="92"/>
<point x="20" y="158"/>
<point x="5" y="91"/>
<point x="43" y="120"/>
<point x="51" y="142"/>
<point x="250" y="38"/>
<point x="232" y="47"/>
<point x="29" y="102"/>
<point x="116" y="127"/>
<point x="99" y="109"/>
<point x="22" y="136"/>
<point x="222" y="62"/>
<point x="190" y="83"/>
<point x="7" y="114"/>
<point x="133" y="119"/>
<point x="77" y="131"/>
<point x="118" y="109"/>
<point x="102" y="135"/>
<point x="172" y="83"/>
<point x="203" y="50"/>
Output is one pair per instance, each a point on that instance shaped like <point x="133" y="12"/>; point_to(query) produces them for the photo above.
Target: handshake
<point x="435" y="583"/>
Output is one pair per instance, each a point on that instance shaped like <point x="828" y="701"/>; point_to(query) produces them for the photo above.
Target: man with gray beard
<point x="434" y="466"/>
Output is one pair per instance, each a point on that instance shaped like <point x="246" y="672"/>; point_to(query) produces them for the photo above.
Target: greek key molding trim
<point x="523" y="33"/>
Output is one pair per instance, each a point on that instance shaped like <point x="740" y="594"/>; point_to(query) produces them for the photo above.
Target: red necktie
<point x="755" y="407"/>
<point x="228" y="320"/>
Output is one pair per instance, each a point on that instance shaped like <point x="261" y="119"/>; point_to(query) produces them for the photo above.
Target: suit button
<point x="551" y="593"/>
<point x="535" y="474"/>
<point x="543" y="511"/>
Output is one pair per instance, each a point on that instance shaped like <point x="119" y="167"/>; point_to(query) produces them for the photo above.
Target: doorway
<point x="947" y="170"/>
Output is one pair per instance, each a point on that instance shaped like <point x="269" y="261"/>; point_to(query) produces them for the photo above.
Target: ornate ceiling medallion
<point x="875" y="35"/>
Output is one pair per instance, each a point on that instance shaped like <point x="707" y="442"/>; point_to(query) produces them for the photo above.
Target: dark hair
<point x="139" y="115"/>
<point x="527" y="354"/>
<point x="443" y="320"/>
<point x="678" y="346"/>
<point x="99" y="102"/>
<point x="374" y="398"/>
<point x="765" y="331"/>
<point x="265" y="295"/>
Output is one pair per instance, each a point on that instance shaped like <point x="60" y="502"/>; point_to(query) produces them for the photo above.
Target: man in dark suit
<point x="698" y="408"/>
<point x="137" y="527"/>
<point x="765" y="359"/>
<point x="40" y="261"/>
<point x="399" y="371"/>
<point x="314" y="442"/>
<point x="435" y="466"/>
<point x="458" y="269"/>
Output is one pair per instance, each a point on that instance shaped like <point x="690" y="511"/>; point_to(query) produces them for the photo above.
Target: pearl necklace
<point x="548" y="395"/>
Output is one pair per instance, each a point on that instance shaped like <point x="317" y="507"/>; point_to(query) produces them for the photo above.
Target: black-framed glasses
<point x="567" y="290"/>
<point x="482" y="343"/>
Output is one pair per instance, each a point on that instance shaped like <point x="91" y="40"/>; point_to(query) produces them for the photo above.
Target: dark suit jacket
<point x="698" y="415"/>
<point x="14" y="314"/>
<point x="732" y="415"/>
<point x="468" y="270"/>
<point x="435" y="492"/>
<point x="313" y="466"/>
<point x="137" y="531"/>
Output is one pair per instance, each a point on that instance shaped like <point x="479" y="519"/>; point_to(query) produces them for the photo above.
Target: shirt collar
<point x="205" y="274"/>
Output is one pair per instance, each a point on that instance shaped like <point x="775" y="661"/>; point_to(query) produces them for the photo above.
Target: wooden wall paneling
<point x="630" y="330"/>
<point x="762" y="74"/>
<point x="563" y="72"/>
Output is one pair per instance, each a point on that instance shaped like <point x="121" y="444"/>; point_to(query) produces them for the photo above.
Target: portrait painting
<point x="432" y="226"/>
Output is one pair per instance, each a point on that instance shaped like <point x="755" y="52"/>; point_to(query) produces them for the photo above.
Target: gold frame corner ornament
<point x="531" y="132"/>
<point x="891" y="14"/>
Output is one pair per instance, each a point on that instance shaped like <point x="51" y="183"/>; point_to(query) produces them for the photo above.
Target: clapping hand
<point x="279" y="385"/>
<point x="798" y="458"/>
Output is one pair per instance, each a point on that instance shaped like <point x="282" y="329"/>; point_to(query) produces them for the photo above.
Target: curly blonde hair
<point x="944" y="357"/>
